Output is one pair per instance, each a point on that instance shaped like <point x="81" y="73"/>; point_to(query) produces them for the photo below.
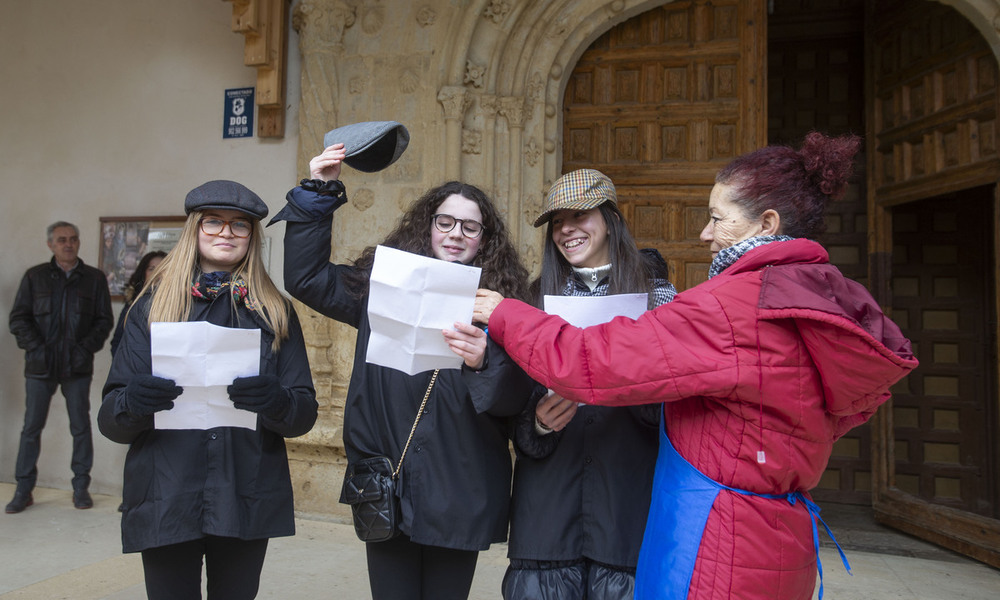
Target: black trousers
<point x="400" y="569"/>
<point x="38" y="397"/>
<point x="232" y="567"/>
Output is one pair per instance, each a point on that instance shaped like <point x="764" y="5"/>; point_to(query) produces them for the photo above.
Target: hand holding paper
<point x="261" y="394"/>
<point x="147" y="394"/>
<point x="486" y="303"/>
<point x="468" y="342"/>
<point x="555" y="412"/>
<point x="411" y="299"/>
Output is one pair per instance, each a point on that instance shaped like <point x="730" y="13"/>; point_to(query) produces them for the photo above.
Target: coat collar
<point x="798" y="250"/>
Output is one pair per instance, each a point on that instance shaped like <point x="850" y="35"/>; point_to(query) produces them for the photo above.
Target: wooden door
<point x="943" y="283"/>
<point x="659" y="104"/>
<point x="815" y="76"/>
<point x="933" y="216"/>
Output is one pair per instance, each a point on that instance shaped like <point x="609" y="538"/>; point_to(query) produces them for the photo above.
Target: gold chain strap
<point x="420" y="411"/>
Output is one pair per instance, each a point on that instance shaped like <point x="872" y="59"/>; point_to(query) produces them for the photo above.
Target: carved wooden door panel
<point x="943" y="298"/>
<point x="659" y="104"/>
<point x="933" y="215"/>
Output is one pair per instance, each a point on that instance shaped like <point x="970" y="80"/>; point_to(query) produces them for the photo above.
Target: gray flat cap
<point x="371" y="145"/>
<point x="227" y="195"/>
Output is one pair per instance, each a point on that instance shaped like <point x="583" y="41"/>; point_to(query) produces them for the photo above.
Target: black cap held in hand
<point x="370" y="146"/>
<point x="228" y="195"/>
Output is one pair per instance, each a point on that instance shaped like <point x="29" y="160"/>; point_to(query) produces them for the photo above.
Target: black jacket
<point x="454" y="486"/>
<point x="181" y="485"/>
<point x="602" y="464"/>
<point x="61" y="321"/>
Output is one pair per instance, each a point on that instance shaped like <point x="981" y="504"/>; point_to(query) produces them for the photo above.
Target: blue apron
<point x="682" y="499"/>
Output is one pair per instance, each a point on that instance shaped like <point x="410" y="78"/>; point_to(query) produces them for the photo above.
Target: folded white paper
<point x="411" y="299"/>
<point x="584" y="311"/>
<point x="204" y="359"/>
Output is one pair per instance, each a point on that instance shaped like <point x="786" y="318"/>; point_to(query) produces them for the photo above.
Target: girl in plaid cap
<point x="584" y="541"/>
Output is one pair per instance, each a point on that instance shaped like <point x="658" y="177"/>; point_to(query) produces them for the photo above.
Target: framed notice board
<point x="125" y="240"/>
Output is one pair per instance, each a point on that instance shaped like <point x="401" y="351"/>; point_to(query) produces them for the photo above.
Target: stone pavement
<point x="52" y="551"/>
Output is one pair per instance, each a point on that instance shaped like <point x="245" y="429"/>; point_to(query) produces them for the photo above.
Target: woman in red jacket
<point x="760" y="370"/>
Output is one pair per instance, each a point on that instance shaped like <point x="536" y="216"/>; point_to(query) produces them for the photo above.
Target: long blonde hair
<point x="172" y="280"/>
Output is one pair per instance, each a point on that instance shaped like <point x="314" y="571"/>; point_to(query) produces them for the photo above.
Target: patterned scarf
<point x="728" y="256"/>
<point x="211" y="285"/>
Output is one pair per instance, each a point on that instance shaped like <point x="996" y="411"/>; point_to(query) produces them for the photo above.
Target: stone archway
<point x="511" y="83"/>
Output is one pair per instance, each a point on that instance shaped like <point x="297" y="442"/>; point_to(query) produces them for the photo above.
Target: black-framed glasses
<point x="240" y="228"/>
<point x="470" y="229"/>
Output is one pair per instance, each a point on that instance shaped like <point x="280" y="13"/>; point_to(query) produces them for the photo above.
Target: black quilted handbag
<point x="370" y="489"/>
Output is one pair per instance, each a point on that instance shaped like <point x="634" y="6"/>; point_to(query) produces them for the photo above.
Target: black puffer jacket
<point x="182" y="485"/>
<point x="61" y="322"/>
<point x="454" y="486"/>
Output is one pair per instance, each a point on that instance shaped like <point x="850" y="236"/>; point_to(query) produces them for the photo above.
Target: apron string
<point x="813" y="508"/>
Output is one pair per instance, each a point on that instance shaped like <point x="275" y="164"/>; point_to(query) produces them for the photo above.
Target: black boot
<point x="82" y="499"/>
<point x="21" y="501"/>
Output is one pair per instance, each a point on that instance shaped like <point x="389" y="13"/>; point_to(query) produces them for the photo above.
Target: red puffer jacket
<point x="779" y="353"/>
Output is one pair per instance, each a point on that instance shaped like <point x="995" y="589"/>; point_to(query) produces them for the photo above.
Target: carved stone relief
<point x="474" y="73"/>
<point x="372" y="18"/>
<point x="497" y="10"/>
<point x="362" y="199"/>
<point x="320" y="25"/>
<point x="426" y="16"/>
<point x="472" y="141"/>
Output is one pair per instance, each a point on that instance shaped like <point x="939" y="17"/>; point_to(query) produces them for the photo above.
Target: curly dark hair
<point x="797" y="184"/>
<point x="503" y="270"/>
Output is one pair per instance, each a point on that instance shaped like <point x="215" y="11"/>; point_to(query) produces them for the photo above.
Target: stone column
<point x="514" y="109"/>
<point x="455" y="100"/>
<point x="490" y="105"/>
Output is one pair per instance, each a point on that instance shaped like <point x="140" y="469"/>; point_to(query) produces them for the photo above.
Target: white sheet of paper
<point x="584" y="311"/>
<point x="204" y="359"/>
<point x="411" y="299"/>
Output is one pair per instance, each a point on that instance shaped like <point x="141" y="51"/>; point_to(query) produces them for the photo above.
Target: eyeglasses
<point x="238" y="227"/>
<point x="470" y="229"/>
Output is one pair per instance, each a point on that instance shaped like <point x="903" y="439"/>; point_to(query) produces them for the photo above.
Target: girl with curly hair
<point x="454" y="488"/>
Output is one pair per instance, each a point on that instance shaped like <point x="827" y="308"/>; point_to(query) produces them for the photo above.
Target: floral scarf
<point x="728" y="256"/>
<point x="211" y="285"/>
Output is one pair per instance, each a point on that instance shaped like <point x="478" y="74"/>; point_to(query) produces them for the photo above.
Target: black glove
<point x="261" y="394"/>
<point x="147" y="394"/>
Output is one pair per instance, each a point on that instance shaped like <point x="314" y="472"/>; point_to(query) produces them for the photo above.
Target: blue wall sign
<point x="237" y="120"/>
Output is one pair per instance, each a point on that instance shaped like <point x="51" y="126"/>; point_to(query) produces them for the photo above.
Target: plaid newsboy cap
<point x="577" y="190"/>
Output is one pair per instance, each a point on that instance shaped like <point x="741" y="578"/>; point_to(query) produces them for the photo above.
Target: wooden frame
<point x="124" y="241"/>
<point x="934" y="175"/>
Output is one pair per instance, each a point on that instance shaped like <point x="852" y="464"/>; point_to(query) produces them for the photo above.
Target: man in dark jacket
<point x="61" y="317"/>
